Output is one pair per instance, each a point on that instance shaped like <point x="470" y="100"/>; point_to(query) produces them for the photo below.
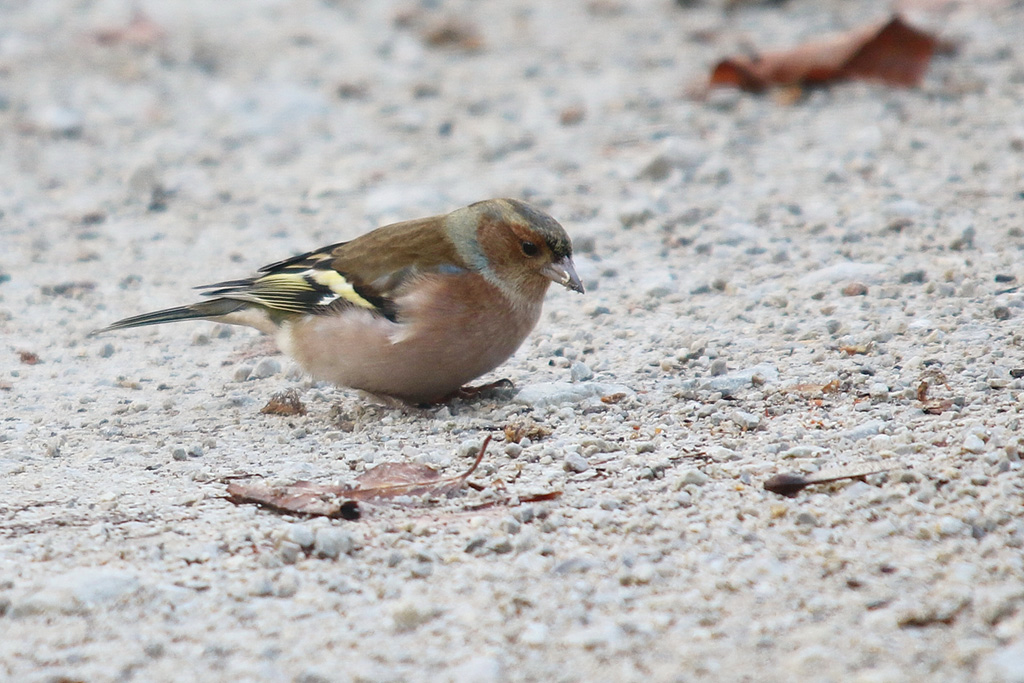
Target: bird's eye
<point x="530" y="249"/>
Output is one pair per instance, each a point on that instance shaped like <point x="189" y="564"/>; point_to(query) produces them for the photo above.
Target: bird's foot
<point x="490" y="390"/>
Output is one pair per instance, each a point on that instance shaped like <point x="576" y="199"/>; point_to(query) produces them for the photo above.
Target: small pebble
<point x="745" y="420"/>
<point x="332" y="542"/>
<point x="806" y="519"/>
<point x="949" y="526"/>
<point x="58" y="121"/>
<point x="574" y="462"/>
<point x="268" y="367"/>
<point x="973" y="444"/>
<point x="695" y="477"/>
<point x="580" y="372"/>
<point x="289" y="552"/>
<point x="299" y="534"/>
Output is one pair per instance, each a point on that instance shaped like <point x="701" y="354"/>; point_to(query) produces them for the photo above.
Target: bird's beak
<point x="564" y="273"/>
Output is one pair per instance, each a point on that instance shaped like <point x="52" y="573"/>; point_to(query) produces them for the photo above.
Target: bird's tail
<point x="202" y="310"/>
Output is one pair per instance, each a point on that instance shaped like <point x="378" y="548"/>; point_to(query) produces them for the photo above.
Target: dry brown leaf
<point x="540" y="497"/>
<point x="28" y="357"/>
<point x="893" y="53"/>
<point x="386" y="480"/>
<point x="284" y="403"/>
<point x="391" y="479"/>
<point x="300" y="498"/>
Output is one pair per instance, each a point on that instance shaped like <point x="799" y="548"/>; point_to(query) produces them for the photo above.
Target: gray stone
<point x="843" y="271"/>
<point x="731" y="382"/>
<point x="863" y="431"/>
<point x="268" y="367"/>
<point x="58" y="121"/>
<point x="78" y="591"/>
<point x="332" y="542"/>
<point x="694" y="477"/>
<point x="580" y="372"/>
<point x="556" y="393"/>
<point x="745" y="420"/>
<point x="574" y="462"/>
<point x="973" y="444"/>
<point x="299" y="534"/>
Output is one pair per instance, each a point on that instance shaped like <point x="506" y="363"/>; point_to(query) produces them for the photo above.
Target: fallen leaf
<point x="893" y="53"/>
<point x="28" y="358"/>
<point x="386" y="480"/>
<point x="284" y="403"/>
<point x="540" y="497"/>
<point x="614" y="398"/>
<point x="391" y="479"/>
<point x="300" y="498"/>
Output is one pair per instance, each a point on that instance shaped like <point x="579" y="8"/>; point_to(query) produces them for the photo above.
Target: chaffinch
<point x="412" y="310"/>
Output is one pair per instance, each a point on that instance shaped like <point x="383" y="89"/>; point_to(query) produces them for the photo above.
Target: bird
<point x="412" y="310"/>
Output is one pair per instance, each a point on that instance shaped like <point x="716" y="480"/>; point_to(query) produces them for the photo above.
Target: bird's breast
<point x="449" y="330"/>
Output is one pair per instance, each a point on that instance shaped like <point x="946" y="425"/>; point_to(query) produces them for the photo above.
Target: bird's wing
<point x="366" y="272"/>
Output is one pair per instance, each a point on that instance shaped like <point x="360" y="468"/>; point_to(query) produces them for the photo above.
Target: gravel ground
<point x="826" y="286"/>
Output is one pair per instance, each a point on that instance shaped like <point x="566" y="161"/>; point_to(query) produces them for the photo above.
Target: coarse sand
<point x="825" y="285"/>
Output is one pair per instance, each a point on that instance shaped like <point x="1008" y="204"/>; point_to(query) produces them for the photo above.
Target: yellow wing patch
<point x="337" y="283"/>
